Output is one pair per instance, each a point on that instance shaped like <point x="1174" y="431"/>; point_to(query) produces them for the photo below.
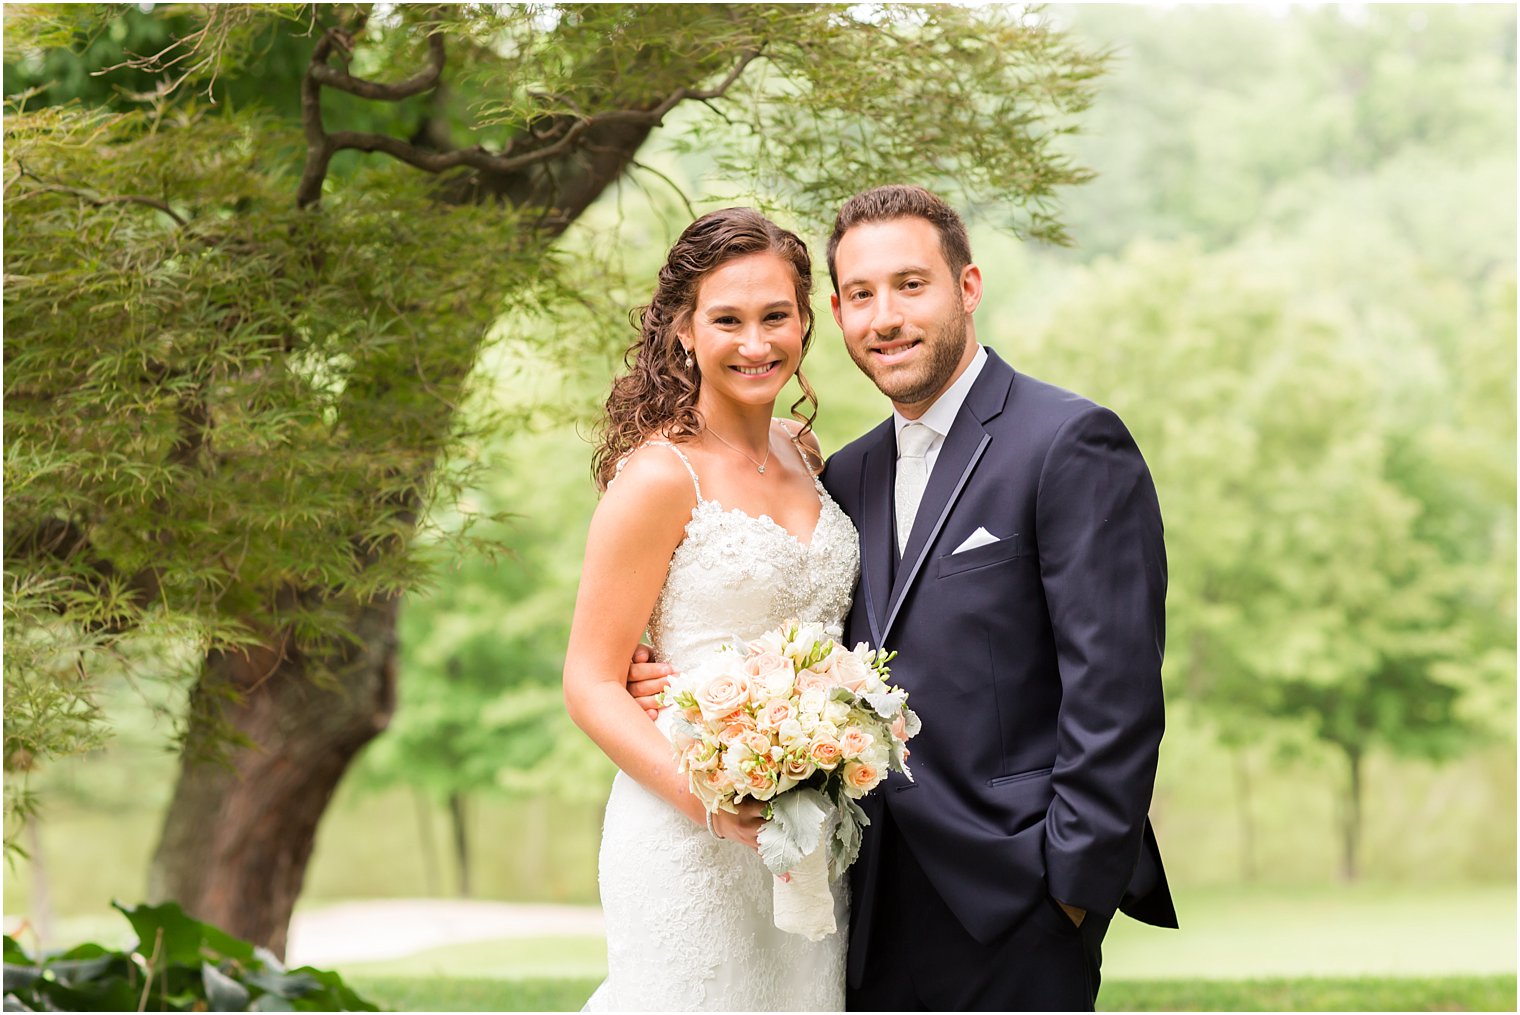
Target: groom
<point x="1011" y="553"/>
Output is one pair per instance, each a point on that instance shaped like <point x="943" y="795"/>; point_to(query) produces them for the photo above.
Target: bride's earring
<point x="689" y="361"/>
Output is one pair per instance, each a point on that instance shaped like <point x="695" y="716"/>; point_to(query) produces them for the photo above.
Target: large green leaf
<point x="223" y="993"/>
<point x="794" y="830"/>
<point x="182" y="938"/>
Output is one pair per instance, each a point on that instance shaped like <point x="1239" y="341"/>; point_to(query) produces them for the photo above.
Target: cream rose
<point x="700" y="757"/>
<point x="851" y="671"/>
<point x="812" y="700"/>
<point x="712" y="787"/>
<point x="773" y="713"/>
<point x="722" y="694"/>
<point x="797" y="766"/>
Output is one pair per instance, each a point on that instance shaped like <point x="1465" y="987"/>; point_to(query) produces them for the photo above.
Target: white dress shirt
<point x="941" y="415"/>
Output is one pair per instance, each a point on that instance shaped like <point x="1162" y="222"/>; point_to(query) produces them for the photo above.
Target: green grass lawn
<point x="1359" y="948"/>
<point x="1337" y="931"/>
<point x="1228" y="934"/>
<point x="1484" y="993"/>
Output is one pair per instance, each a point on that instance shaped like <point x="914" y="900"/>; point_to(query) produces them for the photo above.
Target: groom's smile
<point x="895" y="352"/>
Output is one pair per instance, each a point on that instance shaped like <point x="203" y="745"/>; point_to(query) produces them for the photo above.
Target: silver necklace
<point x="760" y="465"/>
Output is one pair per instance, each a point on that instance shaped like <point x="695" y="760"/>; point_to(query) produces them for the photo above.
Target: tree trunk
<point x="42" y="897"/>
<point x="1247" y="819"/>
<point x="429" y="851"/>
<point x="461" y="843"/>
<point x="238" y="835"/>
<point x="1351" y="816"/>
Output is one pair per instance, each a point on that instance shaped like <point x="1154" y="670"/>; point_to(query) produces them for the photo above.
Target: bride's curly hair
<point x="658" y="395"/>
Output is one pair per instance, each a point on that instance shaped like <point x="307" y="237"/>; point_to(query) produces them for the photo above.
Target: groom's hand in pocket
<point x="647" y="678"/>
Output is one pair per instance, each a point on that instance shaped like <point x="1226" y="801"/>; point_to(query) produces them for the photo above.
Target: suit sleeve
<point x="1103" y="566"/>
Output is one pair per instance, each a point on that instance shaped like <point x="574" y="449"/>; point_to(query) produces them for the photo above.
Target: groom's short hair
<point x="897" y="201"/>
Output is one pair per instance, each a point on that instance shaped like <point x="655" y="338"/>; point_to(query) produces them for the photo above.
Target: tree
<point x="240" y="335"/>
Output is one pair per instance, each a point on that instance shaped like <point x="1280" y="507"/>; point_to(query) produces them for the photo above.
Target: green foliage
<point x="177" y="964"/>
<point x="257" y="403"/>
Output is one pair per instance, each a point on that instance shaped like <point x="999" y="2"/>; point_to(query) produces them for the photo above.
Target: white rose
<point x="790" y="732"/>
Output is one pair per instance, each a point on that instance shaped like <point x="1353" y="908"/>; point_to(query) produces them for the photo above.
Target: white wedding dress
<point x="688" y="916"/>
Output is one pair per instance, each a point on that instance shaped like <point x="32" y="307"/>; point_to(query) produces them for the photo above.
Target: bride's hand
<point x="743" y="827"/>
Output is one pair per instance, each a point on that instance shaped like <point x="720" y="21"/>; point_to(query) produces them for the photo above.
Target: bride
<point x="713" y="529"/>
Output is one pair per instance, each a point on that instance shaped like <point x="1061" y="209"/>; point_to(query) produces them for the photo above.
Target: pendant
<point x="761" y="468"/>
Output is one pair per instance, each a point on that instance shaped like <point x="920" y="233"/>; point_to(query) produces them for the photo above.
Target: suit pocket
<point x="981" y="556"/>
<point x="1007" y="780"/>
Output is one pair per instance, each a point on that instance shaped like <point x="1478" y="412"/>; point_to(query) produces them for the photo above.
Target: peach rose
<point x="900" y="727"/>
<point x="860" y="778"/>
<point x="855" y="742"/>
<point x="761" y="781"/>
<point x="739" y="724"/>
<point x="825" y="753"/>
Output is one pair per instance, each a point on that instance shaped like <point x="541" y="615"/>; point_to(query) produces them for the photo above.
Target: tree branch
<point x="326" y="74"/>
<point x="477" y="157"/>
<point x="99" y="200"/>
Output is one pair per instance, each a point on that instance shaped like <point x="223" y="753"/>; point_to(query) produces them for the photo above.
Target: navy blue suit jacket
<point x="1034" y="661"/>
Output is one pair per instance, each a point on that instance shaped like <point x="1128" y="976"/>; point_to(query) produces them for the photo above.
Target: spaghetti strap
<point x="802" y="452"/>
<point x="684" y="461"/>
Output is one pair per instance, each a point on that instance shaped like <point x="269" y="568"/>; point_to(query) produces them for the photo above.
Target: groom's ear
<point x="971" y="287"/>
<point x="834" y="306"/>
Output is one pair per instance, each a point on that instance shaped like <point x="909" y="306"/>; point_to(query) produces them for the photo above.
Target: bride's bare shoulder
<point x="656" y="469"/>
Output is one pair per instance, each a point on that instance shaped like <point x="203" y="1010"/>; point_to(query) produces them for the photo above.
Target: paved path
<point x="391" y="928"/>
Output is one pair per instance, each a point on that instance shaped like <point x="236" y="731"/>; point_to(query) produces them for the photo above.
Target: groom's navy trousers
<point x="1035" y="664"/>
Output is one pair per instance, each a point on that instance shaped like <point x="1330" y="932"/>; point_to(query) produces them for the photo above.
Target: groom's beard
<point x="925" y="379"/>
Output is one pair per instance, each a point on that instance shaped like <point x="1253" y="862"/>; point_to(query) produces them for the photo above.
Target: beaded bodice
<point x="735" y="576"/>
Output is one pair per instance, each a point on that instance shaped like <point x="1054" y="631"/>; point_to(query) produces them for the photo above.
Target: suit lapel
<point x="877" y="543"/>
<point x="958" y="458"/>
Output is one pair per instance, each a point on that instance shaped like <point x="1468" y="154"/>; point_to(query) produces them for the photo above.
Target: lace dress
<point x="688" y="916"/>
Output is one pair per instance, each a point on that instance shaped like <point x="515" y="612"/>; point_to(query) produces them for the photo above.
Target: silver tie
<point x="912" y="476"/>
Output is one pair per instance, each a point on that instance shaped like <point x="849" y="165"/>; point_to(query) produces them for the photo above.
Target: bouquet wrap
<point x="802" y="902"/>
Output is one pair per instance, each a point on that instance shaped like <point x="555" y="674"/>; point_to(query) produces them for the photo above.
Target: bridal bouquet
<point x="810" y="727"/>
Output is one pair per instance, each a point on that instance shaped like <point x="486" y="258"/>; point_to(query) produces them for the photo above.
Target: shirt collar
<point x="940" y="416"/>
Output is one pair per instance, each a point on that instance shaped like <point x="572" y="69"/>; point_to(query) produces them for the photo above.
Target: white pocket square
<point x="981" y="537"/>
